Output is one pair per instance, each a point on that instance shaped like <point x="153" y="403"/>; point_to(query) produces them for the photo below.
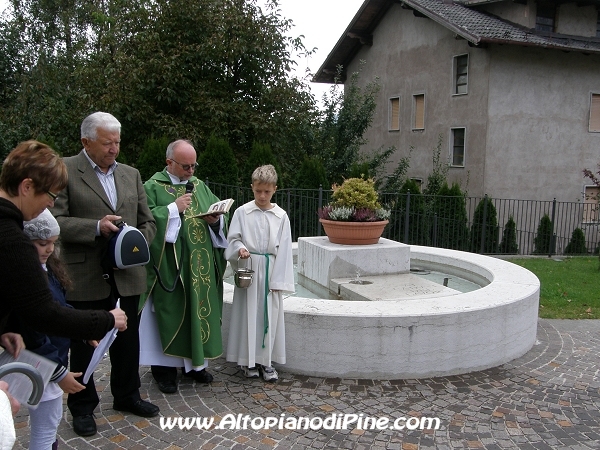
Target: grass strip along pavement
<point x="570" y="286"/>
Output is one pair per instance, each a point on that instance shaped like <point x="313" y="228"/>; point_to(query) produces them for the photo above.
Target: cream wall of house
<point x="577" y="20"/>
<point x="412" y="55"/>
<point x="514" y="12"/>
<point x="538" y="141"/>
<point x="526" y="112"/>
<point x="571" y="19"/>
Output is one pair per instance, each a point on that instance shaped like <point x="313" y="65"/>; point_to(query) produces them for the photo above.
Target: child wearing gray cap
<point x="44" y="420"/>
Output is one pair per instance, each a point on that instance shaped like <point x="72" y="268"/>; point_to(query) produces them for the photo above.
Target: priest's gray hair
<point x="103" y="120"/>
<point x="265" y="174"/>
<point x="172" y="145"/>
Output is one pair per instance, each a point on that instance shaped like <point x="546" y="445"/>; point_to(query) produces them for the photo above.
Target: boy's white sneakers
<point x="269" y="374"/>
<point x="250" y="372"/>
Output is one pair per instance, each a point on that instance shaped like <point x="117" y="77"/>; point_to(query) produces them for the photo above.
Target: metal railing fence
<point x="474" y="224"/>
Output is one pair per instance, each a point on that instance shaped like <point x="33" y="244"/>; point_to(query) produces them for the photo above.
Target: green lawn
<point x="570" y="287"/>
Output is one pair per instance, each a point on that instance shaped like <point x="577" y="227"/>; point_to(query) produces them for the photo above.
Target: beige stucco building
<point x="512" y="87"/>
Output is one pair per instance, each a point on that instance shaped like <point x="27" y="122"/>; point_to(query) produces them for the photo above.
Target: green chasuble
<point x="189" y="318"/>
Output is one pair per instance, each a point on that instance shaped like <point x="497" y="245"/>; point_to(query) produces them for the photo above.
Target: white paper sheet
<point x="100" y="351"/>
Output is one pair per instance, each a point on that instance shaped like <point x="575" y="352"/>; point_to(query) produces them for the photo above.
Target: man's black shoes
<point x="140" y="408"/>
<point x="168" y="387"/>
<point x="84" y="425"/>
<point x="201" y="376"/>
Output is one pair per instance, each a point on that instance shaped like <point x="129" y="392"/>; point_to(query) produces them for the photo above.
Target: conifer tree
<point x="217" y="162"/>
<point x="509" y="244"/>
<point x="452" y="228"/>
<point x="543" y="237"/>
<point x="485" y="221"/>
<point x="576" y="245"/>
<point x="153" y="156"/>
<point x="260" y="155"/>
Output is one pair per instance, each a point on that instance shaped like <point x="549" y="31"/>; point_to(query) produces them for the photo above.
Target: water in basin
<point x="453" y="282"/>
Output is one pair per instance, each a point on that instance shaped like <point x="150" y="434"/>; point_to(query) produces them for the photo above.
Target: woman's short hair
<point x="32" y="159"/>
<point x="91" y="123"/>
<point x="265" y="174"/>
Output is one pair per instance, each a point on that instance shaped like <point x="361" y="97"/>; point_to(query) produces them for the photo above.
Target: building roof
<point x="479" y="28"/>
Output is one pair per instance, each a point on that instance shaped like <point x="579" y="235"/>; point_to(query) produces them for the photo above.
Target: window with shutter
<point x="419" y="123"/>
<point x="394" y="114"/>
<point x="595" y="113"/>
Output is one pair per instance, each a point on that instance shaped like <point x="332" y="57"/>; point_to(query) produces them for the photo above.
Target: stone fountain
<point x="377" y="320"/>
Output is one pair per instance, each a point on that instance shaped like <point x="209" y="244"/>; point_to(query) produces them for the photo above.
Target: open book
<point x="220" y="207"/>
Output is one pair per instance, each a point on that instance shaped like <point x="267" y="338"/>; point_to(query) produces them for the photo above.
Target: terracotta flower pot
<point x="353" y="233"/>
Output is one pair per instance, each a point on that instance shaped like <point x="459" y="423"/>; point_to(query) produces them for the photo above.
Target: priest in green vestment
<point x="180" y="325"/>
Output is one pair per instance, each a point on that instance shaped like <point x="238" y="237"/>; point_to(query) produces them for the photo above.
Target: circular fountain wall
<point x="391" y="332"/>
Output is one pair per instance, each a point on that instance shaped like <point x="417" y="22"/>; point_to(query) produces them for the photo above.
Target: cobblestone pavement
<point x="547" y="399"/>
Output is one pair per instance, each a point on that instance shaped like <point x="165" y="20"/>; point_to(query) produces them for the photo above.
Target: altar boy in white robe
<point x="260" y="230"/>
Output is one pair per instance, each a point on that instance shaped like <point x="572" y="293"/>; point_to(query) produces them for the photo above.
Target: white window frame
<point x="453" y="146"/>
<point x="394" y="125"/>
<point x="455" y="75"/>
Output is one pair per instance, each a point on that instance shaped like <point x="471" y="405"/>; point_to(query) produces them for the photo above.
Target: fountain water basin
<point x="400" y="325"/>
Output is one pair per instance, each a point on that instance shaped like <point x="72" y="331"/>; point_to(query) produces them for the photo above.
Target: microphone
<point x="189" y="188"/>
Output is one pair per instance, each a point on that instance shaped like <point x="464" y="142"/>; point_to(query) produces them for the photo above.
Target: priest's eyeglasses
<point x="186" y="166"/>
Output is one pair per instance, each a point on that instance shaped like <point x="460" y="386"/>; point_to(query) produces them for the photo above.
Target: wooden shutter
<point x="595" y="113"/>
<point x="419" y="111"/>
<point x="394" y="114"/>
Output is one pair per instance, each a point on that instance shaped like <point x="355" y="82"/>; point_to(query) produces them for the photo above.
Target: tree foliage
<point x="217" y="163"/>
<point x="162" y="67"/>
<point x="347" y="115"/>
<point x="311" y="175"/>
<point x="509" y="244"/>
<point x="153" y="156"/>
<point x="451" y="230"/>
<point x="485" y="226"/>
<point x="543" y="238"/>
<point x="414" y="206"/>
<point x="576" y="245"/>
<point x="438" y="175"/>
<point x="260" y="155"/>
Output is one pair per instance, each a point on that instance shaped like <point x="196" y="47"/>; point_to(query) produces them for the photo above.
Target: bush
<point x="153" y="157"/>
<point x="356" y="193"/>
<point x="260" y="155"/>
<point x="576" y="245"/>
<point x="485" y="221"/>
<point x="509" y="244"/>
<point x="396" y="228"/>
<point x="452" y="229"/>
<point x="543" y="238"/>
<point x="218" y="163"/>
<point x="311" y="175"/>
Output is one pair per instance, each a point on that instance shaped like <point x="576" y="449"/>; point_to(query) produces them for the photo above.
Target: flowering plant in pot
<point x="354" y="208"/>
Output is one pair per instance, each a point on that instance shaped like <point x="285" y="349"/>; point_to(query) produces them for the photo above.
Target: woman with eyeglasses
<point x="31" y="177"/>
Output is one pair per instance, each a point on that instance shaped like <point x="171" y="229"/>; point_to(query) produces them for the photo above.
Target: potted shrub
<point x="354" y="216"/>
